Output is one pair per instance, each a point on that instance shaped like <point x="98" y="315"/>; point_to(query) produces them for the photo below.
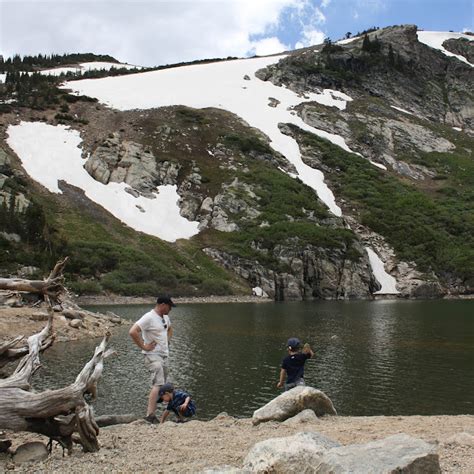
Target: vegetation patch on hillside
<point x="436" y="233"/>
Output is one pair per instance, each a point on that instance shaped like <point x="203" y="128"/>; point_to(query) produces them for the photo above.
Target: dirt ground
<point x="27" y="321"/>
<point x="197" y="445"/>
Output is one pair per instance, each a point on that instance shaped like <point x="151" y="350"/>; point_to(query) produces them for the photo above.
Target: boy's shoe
<point x="151" y="419"/>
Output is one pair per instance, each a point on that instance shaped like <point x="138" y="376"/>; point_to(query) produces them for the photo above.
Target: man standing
<point x="152" y="333"/>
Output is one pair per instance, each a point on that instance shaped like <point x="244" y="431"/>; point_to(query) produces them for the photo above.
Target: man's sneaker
<point x="151" y="419"/>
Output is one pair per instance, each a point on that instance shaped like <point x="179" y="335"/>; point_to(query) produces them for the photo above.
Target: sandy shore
<point x="197" y="445"/>
<point x="119" y="300"/>
<point x="27" y="321"/>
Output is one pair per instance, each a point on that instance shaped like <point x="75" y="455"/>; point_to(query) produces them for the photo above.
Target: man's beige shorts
<point x="158" y="367"/>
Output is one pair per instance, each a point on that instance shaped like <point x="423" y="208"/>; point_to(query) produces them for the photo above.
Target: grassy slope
<point x="107" y="255"/>
<point x="432" y="226"/>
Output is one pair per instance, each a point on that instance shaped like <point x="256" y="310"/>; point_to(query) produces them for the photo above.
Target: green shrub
<point x="85" y="287"/>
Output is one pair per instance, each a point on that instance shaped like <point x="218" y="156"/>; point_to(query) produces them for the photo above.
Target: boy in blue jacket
<point x="178" y="401"/>
<point x="292" y="366"/>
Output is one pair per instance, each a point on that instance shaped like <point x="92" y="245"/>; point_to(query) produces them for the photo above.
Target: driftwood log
<point x="53" y="286"/>
<point x="54" y="413"/>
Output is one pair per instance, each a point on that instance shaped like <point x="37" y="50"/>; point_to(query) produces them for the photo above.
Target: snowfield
<point x="50" y="154"/>
<point x="435" y="39"/>
<point x="222" y="85"/>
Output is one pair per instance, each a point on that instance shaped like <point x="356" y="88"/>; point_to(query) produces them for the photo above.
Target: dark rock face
<point x="402" y="71"/>
<point x="312" y="273"/>
<point x="461" y="46"/>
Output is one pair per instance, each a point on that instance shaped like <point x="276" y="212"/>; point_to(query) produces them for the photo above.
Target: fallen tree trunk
<point x="11" y="353"/>
<point x="22" y="410"/>
<point x="109" y="420"/>
<point x="52" y="286"/>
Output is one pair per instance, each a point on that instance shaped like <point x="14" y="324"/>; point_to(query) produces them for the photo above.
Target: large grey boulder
<point x="300" y="453"/>
<point x="396" y="454"/>
<point x="34" y="451"/>
<point x="290" y="403"/>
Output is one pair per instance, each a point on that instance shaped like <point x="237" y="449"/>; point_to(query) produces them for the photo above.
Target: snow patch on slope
<point x="2" y="78"/>
<point x="51" y="153"/>
<point x="387" y="281"/>
<point x="222" y="85"/>
<point x="435" y="39"/>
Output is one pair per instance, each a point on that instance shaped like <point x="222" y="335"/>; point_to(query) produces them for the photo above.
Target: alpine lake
<point x="386" y="357"/>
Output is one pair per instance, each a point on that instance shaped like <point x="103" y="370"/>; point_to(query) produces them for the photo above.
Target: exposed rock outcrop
<point x="116" y="160"/>
<point x="402" y="71"/>
<point x="312" y="273"/>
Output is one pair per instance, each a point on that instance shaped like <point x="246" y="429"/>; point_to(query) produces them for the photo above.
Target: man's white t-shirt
<point x="155" y="329"/>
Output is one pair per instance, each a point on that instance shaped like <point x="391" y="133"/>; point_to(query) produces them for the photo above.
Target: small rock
<point x="73" y="314"/>
<point x="305" y="416"/>
<point x="39" y="317"/>
<point x="31" y="452"/>
<point x="75" y="323"/>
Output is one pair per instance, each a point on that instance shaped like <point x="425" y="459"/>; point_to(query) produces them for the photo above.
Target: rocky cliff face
<point x="307" y="273"/>
<point x="400" y="69"/>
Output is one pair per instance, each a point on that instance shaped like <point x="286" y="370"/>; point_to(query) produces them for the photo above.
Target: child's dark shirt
<point x="294" y="366"/>
<point x="179" y="398"/>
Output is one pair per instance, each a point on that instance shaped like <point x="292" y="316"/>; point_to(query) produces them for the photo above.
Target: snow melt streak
<point x="387" y="281"/>
<point x="51" y="153"/>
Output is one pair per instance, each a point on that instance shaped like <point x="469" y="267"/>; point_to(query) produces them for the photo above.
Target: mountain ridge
<point x="228" y="176"/>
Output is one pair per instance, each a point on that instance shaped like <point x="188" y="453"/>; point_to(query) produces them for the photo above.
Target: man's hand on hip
<point x="149" y="347"/>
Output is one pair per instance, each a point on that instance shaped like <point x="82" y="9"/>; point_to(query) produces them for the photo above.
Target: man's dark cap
<point x="166" y="388"/>
<point x="165" y="299"/>
<point x="293" y="343"/>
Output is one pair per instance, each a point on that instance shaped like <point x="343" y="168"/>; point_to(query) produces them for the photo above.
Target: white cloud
<point x="144" y="32"/>
<point x="325" y="3"/>
<point x="311" y="15"/>
<point x="268" y="46"/>
<point x="310" y="37"/>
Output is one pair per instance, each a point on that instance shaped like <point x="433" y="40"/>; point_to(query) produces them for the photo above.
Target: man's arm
<point x="136" y="335"/>
<point x="282" y="378"/>
<point x="170" y="333"/>
<point x="164" y="415"/>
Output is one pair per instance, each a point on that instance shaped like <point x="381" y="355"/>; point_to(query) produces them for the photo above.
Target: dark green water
<point x="372" y="358"/>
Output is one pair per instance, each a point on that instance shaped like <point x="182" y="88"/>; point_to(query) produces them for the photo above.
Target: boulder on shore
<point x="299" y="453"/>
<point x="34" y="451"/>
<point x="309" y="452"/>
<point x="399" y="453"/>
<point x="290" y="403"/>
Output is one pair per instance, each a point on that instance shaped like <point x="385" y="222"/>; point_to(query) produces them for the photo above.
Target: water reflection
<point x="372" y="358"/>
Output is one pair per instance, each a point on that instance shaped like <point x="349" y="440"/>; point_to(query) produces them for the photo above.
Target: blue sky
<point x="153" y="32"/>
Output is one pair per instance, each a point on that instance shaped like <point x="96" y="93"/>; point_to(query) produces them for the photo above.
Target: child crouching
<point x="178" y="402"/>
